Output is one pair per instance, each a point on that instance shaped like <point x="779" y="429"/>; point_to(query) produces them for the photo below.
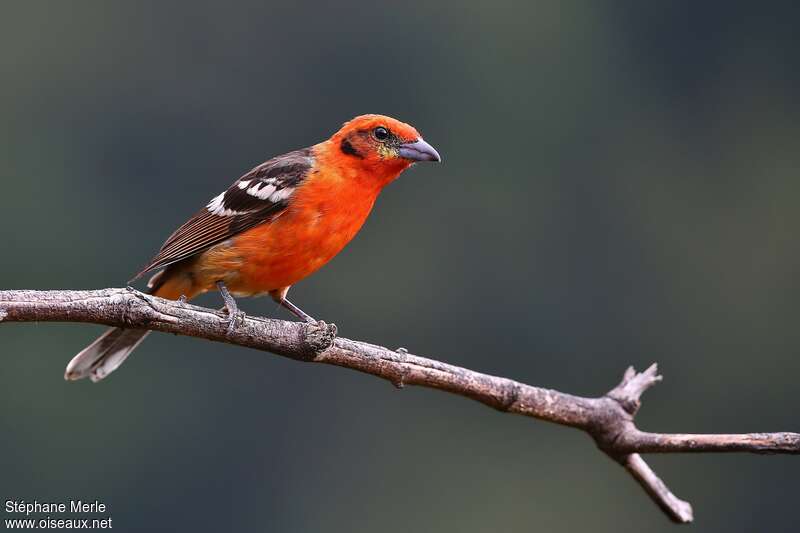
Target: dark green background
<point x="619" y="186"/>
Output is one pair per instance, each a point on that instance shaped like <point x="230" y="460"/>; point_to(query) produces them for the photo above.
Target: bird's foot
<point x="320" y="335"/>
<point x="235" y="316"/>
<point x="235" y="319"/>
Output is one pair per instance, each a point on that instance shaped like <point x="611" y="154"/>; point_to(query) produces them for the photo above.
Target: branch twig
<point x="607" y="419"/>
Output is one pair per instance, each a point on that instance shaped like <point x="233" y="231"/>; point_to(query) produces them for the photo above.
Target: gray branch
<point x="608" y="419"/>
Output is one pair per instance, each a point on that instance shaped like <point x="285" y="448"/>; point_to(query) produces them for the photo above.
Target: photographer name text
<point x="74" y="506"/>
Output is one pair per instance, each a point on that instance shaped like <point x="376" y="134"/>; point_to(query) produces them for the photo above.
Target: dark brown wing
<point x="258" y="196"/>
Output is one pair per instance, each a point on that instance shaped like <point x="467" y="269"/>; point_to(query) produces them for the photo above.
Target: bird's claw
<point x="235" y="320"/>
<point x="320" y="334"/>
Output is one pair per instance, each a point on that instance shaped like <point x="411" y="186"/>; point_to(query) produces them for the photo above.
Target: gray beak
<point x="419" y="150"/>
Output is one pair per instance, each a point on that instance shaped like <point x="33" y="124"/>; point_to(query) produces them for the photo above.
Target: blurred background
<point x="619" y="187"/>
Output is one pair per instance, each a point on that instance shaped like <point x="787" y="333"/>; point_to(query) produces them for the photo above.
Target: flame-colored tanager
<point x="274" y="226"/>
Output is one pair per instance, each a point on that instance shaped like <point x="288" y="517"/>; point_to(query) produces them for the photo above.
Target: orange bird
<point x="274" y="226"/>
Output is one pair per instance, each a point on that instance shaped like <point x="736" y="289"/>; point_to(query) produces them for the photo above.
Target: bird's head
<point x="383" y="144"/>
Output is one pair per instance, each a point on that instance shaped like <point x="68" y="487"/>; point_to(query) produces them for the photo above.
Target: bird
<point x="274" y="226"/>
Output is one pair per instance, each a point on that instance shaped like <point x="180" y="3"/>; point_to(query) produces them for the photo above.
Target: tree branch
<point x="609" y="419"/>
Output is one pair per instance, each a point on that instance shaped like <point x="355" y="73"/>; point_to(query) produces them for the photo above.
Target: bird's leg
<point x="296" y="311"/>
<point x="232" y="309"/>
<point x="318" y="335"/>
<point x="279" y="295"/>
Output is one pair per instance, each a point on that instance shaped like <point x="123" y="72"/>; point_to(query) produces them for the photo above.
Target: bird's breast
<point x="322" y="217"/>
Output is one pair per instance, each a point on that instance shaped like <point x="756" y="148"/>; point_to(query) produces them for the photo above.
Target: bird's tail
<point x="110" y="350"/>
<point x="104" y="355"/>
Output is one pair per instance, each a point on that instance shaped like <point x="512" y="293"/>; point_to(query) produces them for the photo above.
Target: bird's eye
<point x="381" y="133"/>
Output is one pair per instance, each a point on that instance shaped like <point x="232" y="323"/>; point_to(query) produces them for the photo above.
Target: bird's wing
<point x="258" y="196"/>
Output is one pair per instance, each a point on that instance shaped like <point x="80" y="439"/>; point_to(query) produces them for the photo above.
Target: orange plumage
<point x="274" y="226"/>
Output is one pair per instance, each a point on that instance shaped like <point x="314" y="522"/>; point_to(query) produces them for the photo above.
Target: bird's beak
<point x="419" y="150"/>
